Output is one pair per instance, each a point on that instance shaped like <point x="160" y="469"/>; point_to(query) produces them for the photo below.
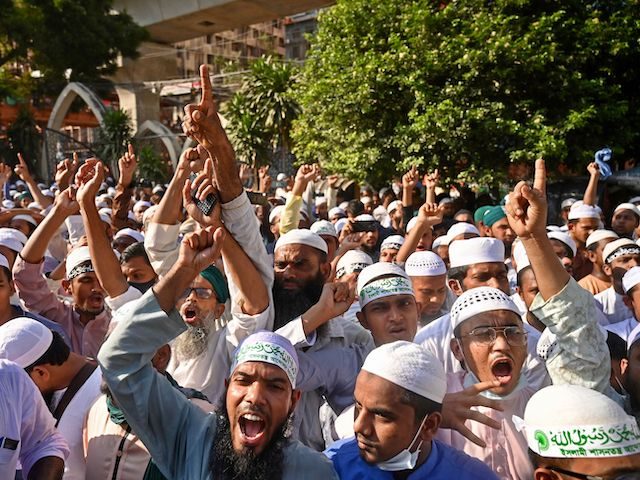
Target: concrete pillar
<point x="140" y="102"/>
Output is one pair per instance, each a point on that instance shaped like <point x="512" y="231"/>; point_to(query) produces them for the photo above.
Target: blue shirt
<point x="444" y="463"/>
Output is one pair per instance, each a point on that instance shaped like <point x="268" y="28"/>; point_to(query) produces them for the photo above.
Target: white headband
<point x="385" y="287"/>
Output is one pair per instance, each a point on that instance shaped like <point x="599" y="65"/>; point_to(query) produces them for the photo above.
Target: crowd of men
<point x="200" y="330"/>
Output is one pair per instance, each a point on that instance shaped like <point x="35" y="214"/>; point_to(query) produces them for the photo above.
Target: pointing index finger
<point x="21" y="160"/>
<point x="540" y="176"/>
<point x="130" y="150"/>
<point x="205" y="83"/>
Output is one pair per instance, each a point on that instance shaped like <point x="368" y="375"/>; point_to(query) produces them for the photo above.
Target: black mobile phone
<point x="207" y="205"/>
<point x="258" y="198"/>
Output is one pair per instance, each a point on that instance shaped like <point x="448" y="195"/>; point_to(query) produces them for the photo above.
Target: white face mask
<point x="405" y="459"/>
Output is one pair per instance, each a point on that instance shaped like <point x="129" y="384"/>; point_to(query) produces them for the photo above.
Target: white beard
<point x="195" y="341"/>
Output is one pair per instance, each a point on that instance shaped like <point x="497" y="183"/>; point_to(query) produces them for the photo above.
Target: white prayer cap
<point x="377" y="270"/>
<point x="324" y="227"/>
<point x="26" y="218"/>
<point x="567" y="203"/>
<point x="445" y="200"/>
<point x="281" y="177"/>
<point x="410" y="366"/>
<point x="598" y="235"/>
<point x="105" y="218"/>
<point x="275" y="213"/>
<point x="8" y="204"/>
<point x="442" y="240"/>
<point x="352" y="261"/>
<point x="111" y="191"/>
<point x="480" y="300"/>
<point x="157" y="189"/>
<point x="105" y="211"/>
<point x="130" y="232"/>
<point x="554" y="228"/>
<point x="75" y="227"/>
<point x="475" y="250"/>
<point x="631" y="279"/>
<point x="393" y="242"/>
<point x="24" y="340"/>
<point x="131" y="216"/>
<point x="424" y="264"/>
<point x="140" y="204"/>
<point x="571" y="421"/>
<point x="617" y="248"/>
<point x="34" y="206"/>
<point x="411" y="223"/>
<point x="634" y="200"/>
<point x="565" y="238"/>
<point x="102" y="204"/>
<point x="302" y="237"/>
<point x="4" y="262"/>
<point x="366" y="200"/>
<point x="582" y="210"/>
<point x="340" y="223"/>
<point x="320" y="201"/>
<point x="628" y="206"/>
<point x="394" y="206"/>
<point x="344" y="205"/>
<point x="337" y="211"/>
<point x="365" y="217"/>
<point x="75" y="258"/>
<point x="520" y="256"/>
<point x="461" y="228"/>
<point x="12" y="238"/>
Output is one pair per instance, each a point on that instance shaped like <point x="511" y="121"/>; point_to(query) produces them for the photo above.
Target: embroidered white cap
<point x="12" y="238"/>
<point x="24" y="340"/>
<point x="425" y="264"/>
<point x="377" y="270"/>
<point x="475" y="250"/>
<point x="480" y="300"/>
<point x="410" y="366"/>
<point x="352" y="261"/>
<point x="300" y="236"/>
<point x="76" y="257"/>
<point x="571" y="421"/>
<point x="394" y="206"/>
<point x="442" y="240"/>
<point x="628" y="206"/>
<point x="130" y="232"/>
<point x="393" y="242"/>
<point x="619" y="247"/>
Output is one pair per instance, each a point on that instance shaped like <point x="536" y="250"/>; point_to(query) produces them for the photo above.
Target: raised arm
<point x="127" y="165"/>
<point x="22" y="170"/>
<point x="428" y="215"/>
<point x="254" y="297"/>
<point x="431" y="181"/>
<point x="201" y="122"/>
<point x="290" y="217"/>
<point x="409" y="182"/>
<point x="591" y="192"/>
<point x="104" y="261"/>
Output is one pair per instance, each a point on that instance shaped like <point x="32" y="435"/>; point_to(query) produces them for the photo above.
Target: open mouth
<point x="502" y="369"/>
<point x="252" y="427"/>
<point x="190" y="314"/>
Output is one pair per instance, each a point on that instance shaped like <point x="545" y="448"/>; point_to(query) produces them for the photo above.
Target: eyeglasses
<point x="201" y="293"/>
<point x="515" y="336"/>
<point x="583" y="476"/>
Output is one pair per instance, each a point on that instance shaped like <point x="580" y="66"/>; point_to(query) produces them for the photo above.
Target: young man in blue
<point x="398" y="403"/>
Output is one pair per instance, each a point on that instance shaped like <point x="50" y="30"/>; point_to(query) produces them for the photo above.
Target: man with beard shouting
<point x="247" y="439"/>
<point x="301" y="270"/>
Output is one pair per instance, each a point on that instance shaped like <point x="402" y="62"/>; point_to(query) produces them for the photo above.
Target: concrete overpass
<point x="170" y="21"/>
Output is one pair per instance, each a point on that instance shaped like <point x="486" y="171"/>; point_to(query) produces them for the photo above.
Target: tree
<point x="53" y="36"/>
<point x="262" y="112"/>
<point x="468" y="85"/>
<point x="151" y="165"/>
<point x="114" y="134"/>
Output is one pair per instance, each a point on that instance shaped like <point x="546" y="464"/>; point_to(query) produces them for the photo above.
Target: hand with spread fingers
<point x="65" y="170"/>
<point x="90" y="177"/>
<point x="203" y="186"/>
<point x="411" y="178"/>
<point x="66" y="203"/>
<point x="457" y="409"/>
<point x="430" y="214"/>
<point x="527" y="206"/>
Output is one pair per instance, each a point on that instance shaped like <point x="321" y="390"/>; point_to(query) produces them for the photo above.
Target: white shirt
<point x="623" y="329"/>
<point x="611" y="304"/>
<point x="72" y="422"/>
<point x="24" y="419"/>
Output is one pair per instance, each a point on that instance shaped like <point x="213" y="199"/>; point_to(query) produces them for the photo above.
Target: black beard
<point x="290" y="304"/>
<point x="227" y="464"/>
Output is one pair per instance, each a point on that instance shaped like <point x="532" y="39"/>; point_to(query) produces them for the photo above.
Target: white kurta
<point x="611" y="304"/>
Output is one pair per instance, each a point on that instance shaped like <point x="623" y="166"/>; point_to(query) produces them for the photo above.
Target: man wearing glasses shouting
<point x="490" y="342"/>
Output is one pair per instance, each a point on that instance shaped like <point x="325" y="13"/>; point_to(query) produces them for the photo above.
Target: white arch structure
<point x="166" y="136"/>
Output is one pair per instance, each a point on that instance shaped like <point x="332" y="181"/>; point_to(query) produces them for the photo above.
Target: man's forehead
<point x="201" y="282"/>
<point x="375" y="391"/>
<point x="263" y="370"/>
<point x="487" y="267"/>
<point x="390" y="300"/>
<point x="435" y="281"/>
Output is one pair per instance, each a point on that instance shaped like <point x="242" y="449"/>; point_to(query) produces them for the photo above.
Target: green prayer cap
<point x="212" y="275"/>
<point x="479" y="214"/>
<point x="494" y="214"/>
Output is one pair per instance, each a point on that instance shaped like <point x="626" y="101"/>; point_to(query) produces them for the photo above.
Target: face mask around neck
<point x="405" y="459"/>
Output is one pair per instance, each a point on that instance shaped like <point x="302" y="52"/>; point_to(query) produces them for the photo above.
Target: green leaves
<point x="468" y="85"/>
